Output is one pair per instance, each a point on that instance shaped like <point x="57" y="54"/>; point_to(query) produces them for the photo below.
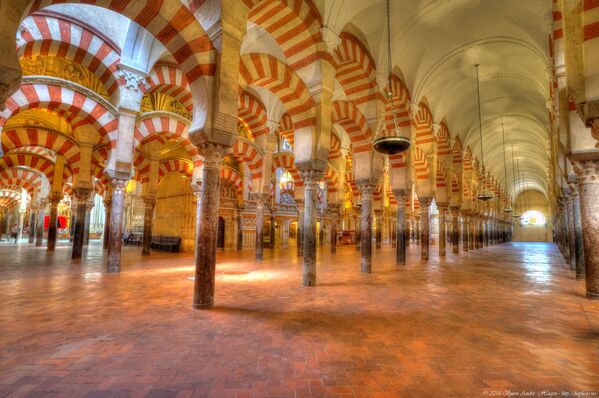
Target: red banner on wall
<point x="62" y="222"/>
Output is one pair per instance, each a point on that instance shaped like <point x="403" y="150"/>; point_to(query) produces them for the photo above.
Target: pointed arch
<point x="355" y="69"/>
<point x="424" y="125"/>
<point x="253" y="114"/>
<point x="352" y="120"/>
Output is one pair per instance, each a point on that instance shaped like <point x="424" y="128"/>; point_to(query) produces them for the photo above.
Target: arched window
<point x="533" y="217"/>
<point x="285" y="145"/>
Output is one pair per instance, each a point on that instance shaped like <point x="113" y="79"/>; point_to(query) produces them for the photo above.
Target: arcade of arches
<point x="230" y="143"/>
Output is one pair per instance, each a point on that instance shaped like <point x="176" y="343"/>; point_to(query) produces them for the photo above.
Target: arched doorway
<point x="220" y="239"/>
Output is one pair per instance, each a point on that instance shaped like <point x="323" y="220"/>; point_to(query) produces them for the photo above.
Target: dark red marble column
<point x="334" y="210"/>
<point x="54" y="199"/>
<point x="205" y="272"/>
<point x="39" y="232"/>
<point x="588" y="192"/>
<point x="400" y="248"/>
<point x="239" y="232"/>
<point x="321" y="230"/>
<point x="273" y="233"/>
<point x="455" y="229"/>
<point x="79" y="230"/>
<point x="442" y="230"/>
<point x="367" y="192"/>
<point x="578" y="236"/>
<point x="107" y="207"/>
<point x="260" y="203"/>
<point x="424" y="228"/>
<point x="115" y="236"/>
<point x="379" y="228"/>
<point x="311" y="178"/>
<point x="32" y="223"/>
<point x="466" y="233"/>
<point x="485" y="231"/>
<point x="299" y="204"/>
<point x="149" y="204"/>
<point x="358" y="229"/>
<point x="88" y="218"/>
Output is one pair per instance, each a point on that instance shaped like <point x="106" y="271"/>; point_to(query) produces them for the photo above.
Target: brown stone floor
<point x="506" y="318"/>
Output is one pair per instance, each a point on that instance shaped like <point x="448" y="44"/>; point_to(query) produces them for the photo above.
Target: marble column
<point x="299" y="204"/>
<point x="418" y="229"/>
<point x="367" y="192"/>
<point x="442" y="207"/>
<point x="206" y="239"/>
<point x="379" y="227"/>
<point x="73" y="220"/>
<point x="32" y="223"/>
<point x="54" y="199"/>
<point x="115" y="236"/>
<point x="358" y="230"/>
<point x="472" y="232"/>
<point x="149" y="204"/>
<point x="239" y="232"/>
<point x="88" y="218"/>
<point x="321" y="230"/>
<point x="466" y="236"/>
<point x="39" y="231"/>
<point x="79" y="231"/>
<point x="578" y="236"/>
<point x="485" y="230"/>
<point x="400" y="247"/>
<point x="107" y="206"/>
<point x="21" y="225"/>
<point x="334" y="209"/>
<point x="571" y="230"/>
<point x="260" y="203"/>
<point x="455" y="227"/>
<point x="425" y="204"/>
<point x="272" y="233"/>
<point x="311" y="178"/>
<point x="588" y="192"/>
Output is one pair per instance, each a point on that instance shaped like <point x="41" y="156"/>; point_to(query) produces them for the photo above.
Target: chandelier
<point x="483" y="194"/>
<point x="508" y="208"/>
<point x="393" y="142"/>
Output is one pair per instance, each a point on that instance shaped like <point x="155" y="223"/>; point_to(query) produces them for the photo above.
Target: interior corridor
<point x="463" y="326"/>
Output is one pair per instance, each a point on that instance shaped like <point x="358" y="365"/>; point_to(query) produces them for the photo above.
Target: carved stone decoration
<point x="132" y="80"/>
<point x="589" y="113"/>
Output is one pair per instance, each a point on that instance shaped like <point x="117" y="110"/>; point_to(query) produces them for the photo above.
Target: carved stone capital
<point x="55" y="197"/>
<point x="587" y="171"/>
<point x="82" y="194"/>
<point x="213" y="154"/>
<point x="311" y="178"/>
<point x="425" y="202"/>
<point x="589" y="113"/>
<point x="149" y="201"/>
<point x="132" y="79"/>
<point x="366" y="190"/>
<point x="118" y="185"/>
<point x="299" y="205"/>
<point x="401" y="195"/>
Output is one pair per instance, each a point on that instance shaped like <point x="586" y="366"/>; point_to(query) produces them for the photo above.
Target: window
<point x="533" y="217"/>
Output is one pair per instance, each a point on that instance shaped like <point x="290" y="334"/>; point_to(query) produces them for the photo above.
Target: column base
<point x="592" y="296"/>
<point x="206" y="306"/>
<point x="579" y="277"/>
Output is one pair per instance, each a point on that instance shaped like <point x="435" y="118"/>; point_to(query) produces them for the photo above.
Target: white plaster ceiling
<point x="436" y="44"/>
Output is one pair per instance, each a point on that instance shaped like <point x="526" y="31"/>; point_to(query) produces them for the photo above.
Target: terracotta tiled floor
<point x="509" y="317"/>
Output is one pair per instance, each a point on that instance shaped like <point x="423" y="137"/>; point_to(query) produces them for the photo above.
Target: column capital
<point x="442" y="206"/>
<point x="425" y="202"/>
<point x="589" y="113"/>
<point x="454" y="209"/>
<point x="82" y="193"/>
<point x="149" y="201"/>
<point x="55" y="197"/>
<point x="587" y="171"/>
<point x="212" y="153"/>
<point x="118" y="184"/>
<point x="311" y="177"/>
<point x="299" y="205"/>
<point x="401" y="195"/>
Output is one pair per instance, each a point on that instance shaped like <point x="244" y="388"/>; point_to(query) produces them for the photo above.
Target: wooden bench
<point x="166" y="243"/>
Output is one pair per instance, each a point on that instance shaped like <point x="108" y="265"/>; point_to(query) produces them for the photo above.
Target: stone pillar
<point x="54" y="199"/>
<point x="311" y="178"/>
<point x="400" y="248"/>
<point x="379" y="227"/>
<point x="442" y="231"/>
<point x="107" y="207"/>
<point x="207" y="228"/>
<point x="418" y="229"/>
<point x="272" y="232"/>
<point x="466" y="236"/>
<point x="32" y="223"/>
<point x="73" y="209"/>
<point x="588" y="191"/>
<point x="571" y="231"/>
<point x="367" y="191"/>
<point x="472" y="232"/>
<point x="79" y="231"/>
<point x="321" y="230"/>
<point x="485" y="231"/>
<point x="149" y="204"/>
<point x="39" y="231"/>
<point x="578" y="237"/>
<point x="455" y="227"/>
<point x="424" y="228"/>
<point x="334" y="209"/>
<point x="259" y="227"/>
<point x="88" y="217"/>
<point x="115" y="236"/>
<point x="21" y="225"/>
<point x="299" y="203"/>
<point x="239" y="232"/>
<point x="358" y="230"/>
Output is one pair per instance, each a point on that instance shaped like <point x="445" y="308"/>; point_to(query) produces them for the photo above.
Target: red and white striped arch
<point x="443" y="140"/>
<point x="157" y="125"/>
<point x="175" y="165"/>
<point x="286" y="128"/>
<point x="331" y="176"/>
<point x="171" y="22"/>
<point x="252" y="113"/>
<point x="23" y="178"/>
<point x="34" y="162"/>
<point x="286" y="161"/>
<point x="295" y="25"/>
<point x="421" y="166"/>
<point x="456" y="153"/>
<point x="14" y="138"/>
<point x="347" y="115"/>
<point x="169" y="79"/>
<point x="335" y="149"/>
<point x="441" y="177"/>
<point x="355" y="69"/>
<point x="51" y="34"/>
<point x="455" y="184"/>
<point x="246" y="151"/>
<point x="10" y="198"/>
<point x="233" y="176"/>
<point x="468" y="161"/>
<point x="424" y="125"/>
<point x="397" y="161"/>
<point x="76" y="107"/>
<point x="270" y="73"/>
